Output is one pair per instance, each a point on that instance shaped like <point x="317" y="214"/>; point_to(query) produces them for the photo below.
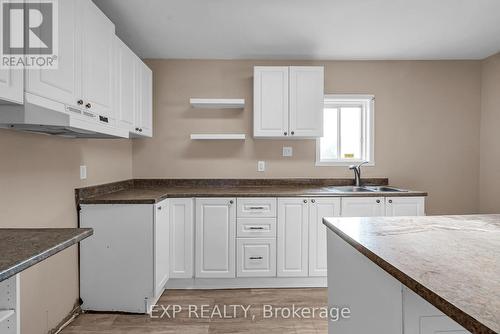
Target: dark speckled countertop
<point x="451" y="261"/>
<point x="23" y="248"/>
<point x="153" y="191"/>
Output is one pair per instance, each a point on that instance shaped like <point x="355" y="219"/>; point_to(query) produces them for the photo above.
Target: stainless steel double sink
<point x="355" y="189"/>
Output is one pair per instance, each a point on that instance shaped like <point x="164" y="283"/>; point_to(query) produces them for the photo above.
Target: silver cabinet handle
<point x="256" y="257"/>
<point x="256" y="208"/>
<point x="313" y="201"/>
<point x="159" y="208"/>
<point x="231" y="202"/>
<point x="305" y="201"/>
<point x="378" y="201"/>
<point x="390" y="201"/>
<point x="255" y="228"/>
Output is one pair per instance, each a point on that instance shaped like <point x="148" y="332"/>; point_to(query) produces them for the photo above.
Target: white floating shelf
<point x="5" y="314"/>
<point x="218" y="136"/>
<point x="217" y="103"/>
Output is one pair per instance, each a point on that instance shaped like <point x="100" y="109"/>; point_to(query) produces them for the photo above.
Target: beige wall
<point x="427" y="126"/>
<point x="38" y="175"/>
<point x="490" y="136"/>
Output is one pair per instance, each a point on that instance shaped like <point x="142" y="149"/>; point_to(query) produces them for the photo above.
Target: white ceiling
<point x="308" y="29"/>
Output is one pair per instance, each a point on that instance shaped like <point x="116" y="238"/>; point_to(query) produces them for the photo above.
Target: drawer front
<point x="256" y="207"/>
<point x="256" y="258"/>
<point x="256" y="227"/>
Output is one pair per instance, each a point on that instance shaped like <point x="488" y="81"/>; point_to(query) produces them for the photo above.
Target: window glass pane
<point x="329" y="142"/>
<point x="350" y="133"/>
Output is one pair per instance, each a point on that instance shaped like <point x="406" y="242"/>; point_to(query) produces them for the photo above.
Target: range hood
<point x="57" y="119"/>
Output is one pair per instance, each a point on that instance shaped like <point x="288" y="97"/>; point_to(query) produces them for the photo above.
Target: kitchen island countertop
<point x="453" y="262"/>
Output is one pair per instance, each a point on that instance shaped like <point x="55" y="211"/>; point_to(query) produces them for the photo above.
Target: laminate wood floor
<point x="202" y="311"/>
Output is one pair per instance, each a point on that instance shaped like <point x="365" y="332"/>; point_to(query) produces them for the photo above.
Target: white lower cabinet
<point x="215" y="237"/>
<point x="256" y="257"/>
<point x="161" y="246"/>
<point x="292" y="250"/>
<point x="181" y="238"/>
<point x="363" y="207"/>
<point x="125" y="265"/>
<point x="405" y="206"/>
<point x="420" y="317"/>
<point x="318" y="209"/>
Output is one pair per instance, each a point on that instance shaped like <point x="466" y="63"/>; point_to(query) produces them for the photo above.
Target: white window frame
<point x="367" y="133"/>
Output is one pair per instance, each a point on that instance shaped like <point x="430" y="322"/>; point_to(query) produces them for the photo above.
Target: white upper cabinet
<point x="98" y="41"/>
<point x="363" y="206"/>
<point x="144" y="110"/>
<point x="134" y="92"/>
<point x="11" y="86"/>
<point x="64" y="83"/>
<point x="126" y="92"/>
<point x="288" y="101"/>
<point x="306" y="101"/>
<point x="270" y="101"/>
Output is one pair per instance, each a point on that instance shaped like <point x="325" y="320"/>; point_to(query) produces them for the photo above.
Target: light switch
<point x="261" y="166"/>
<point x="83" y="172"/>
<point x="287" y="151"/>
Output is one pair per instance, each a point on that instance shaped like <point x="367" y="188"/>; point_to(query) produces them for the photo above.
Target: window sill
<point x="343" y="163"/>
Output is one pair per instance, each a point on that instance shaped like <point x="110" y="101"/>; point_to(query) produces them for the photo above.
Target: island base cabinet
<point x="215" y="237"/>
<point x="378" y="302"/>
<point x="371" y="294"/>
<point x="420" y="317"/>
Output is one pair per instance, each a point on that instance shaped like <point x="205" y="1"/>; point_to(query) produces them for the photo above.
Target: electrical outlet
<point x="83" y="172"/>
<point x="261" y="166"/>
<point x="287" y="151"/>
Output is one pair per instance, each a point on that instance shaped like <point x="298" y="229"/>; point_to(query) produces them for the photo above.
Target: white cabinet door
<point x="420" y="317"/>
<point x="215" y="237"/>
<point x="64" y="83"/>
<point x="270" y="101"/>
<point x="11" y="83"/>
<point x="306" y="101"/>
<point x="292" y="250"/>
<point x="161" y="244"/>
<point x="181" y="237"/>
<point x="143" y="118"/>
<point x="318" y="209"/>
<point x="256" y="257"/>
<point x="98" y="42"/>
<point x="405" y="206"/>
<point x="363" y="207"/>
<point x="11" y="86"/>
<point x="126" y="93"/>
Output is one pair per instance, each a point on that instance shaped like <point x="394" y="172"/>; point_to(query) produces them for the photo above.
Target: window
<point x="348" y="131"/>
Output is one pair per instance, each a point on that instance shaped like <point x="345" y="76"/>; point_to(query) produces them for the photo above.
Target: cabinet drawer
<point x="256" y="227"/>
<point x="256" y="207"/>
<point x="256" y="258"/>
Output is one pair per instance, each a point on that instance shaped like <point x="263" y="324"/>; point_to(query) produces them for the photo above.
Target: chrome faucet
<point x="357" y="173"/>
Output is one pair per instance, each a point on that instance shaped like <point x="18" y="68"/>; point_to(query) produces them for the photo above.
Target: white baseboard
<point x="247" y="282"/>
